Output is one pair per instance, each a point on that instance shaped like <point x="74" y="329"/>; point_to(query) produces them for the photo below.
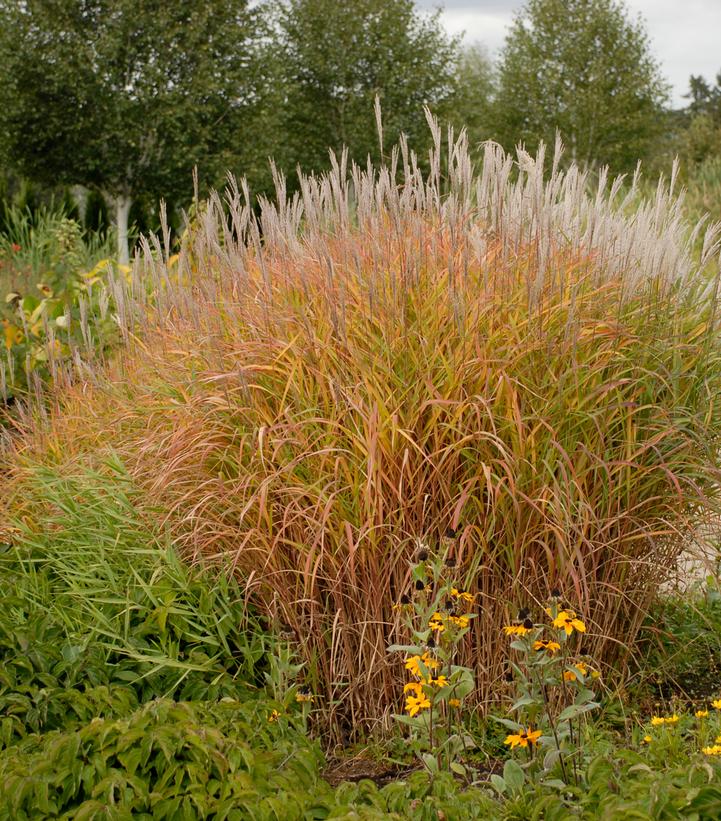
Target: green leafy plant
<point x="552" y="695"/>
<point x="435" y="617"/>
<point x="57" y="300"/>
<point x="87" y="565"/>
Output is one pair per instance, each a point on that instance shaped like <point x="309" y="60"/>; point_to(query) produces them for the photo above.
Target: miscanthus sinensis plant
<point x="531" y="358"/>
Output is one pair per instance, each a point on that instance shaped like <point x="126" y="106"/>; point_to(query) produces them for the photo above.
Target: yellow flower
<point x="551" y="647"/>
<point x="437" y="622"/>
<point x="459" y="621"/>
<point x="657" y="721"/>
<point x="647" y="739"/>
<point x="523" y="738"/>
<point x="439" y="681"/>
<point x="516" y="630"/>
<point x="718" y="739"/>
<point x="454" y="702"/>
<point x="414" y="704"/>
<point x="463" y="595"/>
<point x="715" y="750"/>
<point x="716" y="704"/>
<point x="414" y="687"/>
<point x="274" y="716"/>
<point x="701" y="713"/>
<point x="412" y="664"/>
<point x="304" y="698"/>
<point x="44" y="289"/>
<point x="570" y="675"/>
<point x="566" y="620"/>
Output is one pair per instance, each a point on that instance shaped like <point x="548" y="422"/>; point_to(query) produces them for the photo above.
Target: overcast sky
<point x="685" y="34"/>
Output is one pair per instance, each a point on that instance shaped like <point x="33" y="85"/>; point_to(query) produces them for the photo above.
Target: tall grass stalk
<point x="384" y="356"/>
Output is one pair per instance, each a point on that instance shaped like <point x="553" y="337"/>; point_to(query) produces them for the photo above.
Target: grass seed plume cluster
<point x="530" y="360"/>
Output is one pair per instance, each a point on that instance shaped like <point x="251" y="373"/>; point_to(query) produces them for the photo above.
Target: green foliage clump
<point x="52" y="302"/>
<point x="164" y="761"/>
<point x="93" y="599"/>
<point x="682" y="655"/>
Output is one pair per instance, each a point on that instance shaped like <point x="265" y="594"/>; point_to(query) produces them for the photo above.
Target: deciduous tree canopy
<point x="124" y="96"/>
<point x="584" y="68"/>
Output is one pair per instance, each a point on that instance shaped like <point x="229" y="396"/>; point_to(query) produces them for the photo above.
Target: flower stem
<point x="547" y="708"/>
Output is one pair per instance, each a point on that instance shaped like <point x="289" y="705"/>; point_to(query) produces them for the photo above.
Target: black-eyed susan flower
<point x="273" y="717"/>
<point x="414" y="704"/>
<point x="566" y="620"/>
<point x="414" y="687"/>
<point x="404" y="603"/>
<point x="714" y="750"/>
<point x="516" y="630"/>
<point x="438" y="681"/>
<point x="459" y="621"/>
<point x="304" y="698"/>
<point x="571" y="675"/>
<point x="523" y="738"/>
<point x="701" y="713"/>
<point x="716" y="704"/>
<point x="454" y="702"/>
<point x="551" y="647"/>
<point x="413" y="664"/>
<point x="461" y="595"/>
<point x="437" y="622"/>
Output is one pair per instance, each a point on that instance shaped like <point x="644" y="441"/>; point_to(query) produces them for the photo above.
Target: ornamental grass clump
<point x="388" y="353"/>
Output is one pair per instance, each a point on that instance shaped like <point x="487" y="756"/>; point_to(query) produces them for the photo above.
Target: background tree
<point x="337" y="57"/>
<point x="472" y="105"/>
<point x="585" y="68"/>
<point x="701" y="139"/>
<point x="126" y="96"/>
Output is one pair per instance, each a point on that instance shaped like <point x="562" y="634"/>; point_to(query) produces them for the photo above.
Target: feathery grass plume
<point x="386" y="354"/>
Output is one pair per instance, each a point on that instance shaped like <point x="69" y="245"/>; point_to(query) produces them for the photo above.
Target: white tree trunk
<point x="80" y="194"/>
<point x="122" y="211"/>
